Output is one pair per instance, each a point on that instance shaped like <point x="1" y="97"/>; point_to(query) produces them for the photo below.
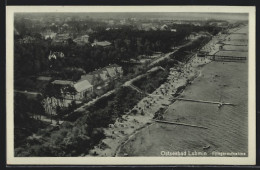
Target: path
<point x="162" y="58"/>
<point x="81" y="108"/>
<point x="27" y="92"/>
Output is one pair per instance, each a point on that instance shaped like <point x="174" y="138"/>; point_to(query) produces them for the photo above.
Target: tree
<point x="52" y="91"/>
<point x="59" y="113"/>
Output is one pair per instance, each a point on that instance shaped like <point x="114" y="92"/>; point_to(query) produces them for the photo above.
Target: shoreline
<point x="114" y="140"/>
<point x="190" y="80"/>
<point x="118" y="134"/>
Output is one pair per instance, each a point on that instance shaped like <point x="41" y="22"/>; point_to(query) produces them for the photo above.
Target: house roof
<point x="55" y="55"/>
<point x="82" y="85"/>
<point x="103" y="75"/>
<point x="101" y="43"/>
<point x="62" y="82"/>
<point x="95" y="76"/>
<point x="88" y="77"/>
<point x="85" y="36"/>
<point x="111" y="71"/>
<point x="115" y="67"/>
<point x="62" y="36"/>
<point x="44" y="78"/>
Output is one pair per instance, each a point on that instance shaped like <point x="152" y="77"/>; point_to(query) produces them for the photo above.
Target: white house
<point x="48" y="34"/>
<point x="101" y="43"/>
<point x="83" y="88"/>
<point x="55" y="55"/>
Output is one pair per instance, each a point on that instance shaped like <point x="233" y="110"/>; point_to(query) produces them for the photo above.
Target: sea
<point x="226" y="127"/>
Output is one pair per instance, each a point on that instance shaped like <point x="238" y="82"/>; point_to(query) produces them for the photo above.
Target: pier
<point x="216" y="57"/>
<point x="203" y="101"/>
<point x="228" y="58"/>
<point x="178" y="123"/>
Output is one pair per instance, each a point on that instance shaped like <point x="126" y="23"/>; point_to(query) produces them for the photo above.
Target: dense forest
<point x="32" y="59"/>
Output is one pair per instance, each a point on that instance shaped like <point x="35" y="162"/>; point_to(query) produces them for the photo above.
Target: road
<point x="82" y="108"/>
<point x="27" y="92"/>
<point x="167" y="55"/>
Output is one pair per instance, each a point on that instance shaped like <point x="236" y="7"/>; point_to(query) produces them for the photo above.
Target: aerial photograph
<point x="130" y="84"/>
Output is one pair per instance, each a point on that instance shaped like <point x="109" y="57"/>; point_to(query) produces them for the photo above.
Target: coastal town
<point x="93" y="84"/>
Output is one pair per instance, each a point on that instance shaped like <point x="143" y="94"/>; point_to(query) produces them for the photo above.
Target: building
<point x="65" y="25"/>
<point x="173" y="30"/>
<point x="111" y="22"/>
<point x="111" y="71"/>
<point x="55" y="55"/>
<point x="27" y="40"/>
<point x="74" y="90"/>
<point x="104" y="75"/>
<point x="196" y="24"/>
<point x="82" y="40"/>
<point x="61" y="39"/>
<point x="120" y="71"/>
<point x="44" y="78"/>
<point x="62" y="82"/>
<point x="48" y="34"/>
<point x="101" y="43"/>
<point x="146" y="26"/>
<point x="90" y="78"/>
<point x="164" y="27"/>
<point x="114" y="71"/>
<point x="192" y="36"/>
<point x="83" y="89"/>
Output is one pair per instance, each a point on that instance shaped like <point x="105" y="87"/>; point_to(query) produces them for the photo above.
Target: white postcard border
<point x="11" y="160"/>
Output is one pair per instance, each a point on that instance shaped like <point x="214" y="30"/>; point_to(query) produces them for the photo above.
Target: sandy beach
<point x="225" y="127"/>
<point x="124" y="129"/>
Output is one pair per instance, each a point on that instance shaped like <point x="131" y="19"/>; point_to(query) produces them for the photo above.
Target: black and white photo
<point x="163" y="85"/>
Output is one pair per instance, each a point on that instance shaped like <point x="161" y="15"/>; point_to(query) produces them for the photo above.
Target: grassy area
<point x="152" y="81"/>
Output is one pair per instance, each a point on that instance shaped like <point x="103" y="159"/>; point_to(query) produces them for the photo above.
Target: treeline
<point x="152" y="81"/>
<point x="185" y="52"/>
<point x="138" y="42"/>
<point x="189" y="28"/>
